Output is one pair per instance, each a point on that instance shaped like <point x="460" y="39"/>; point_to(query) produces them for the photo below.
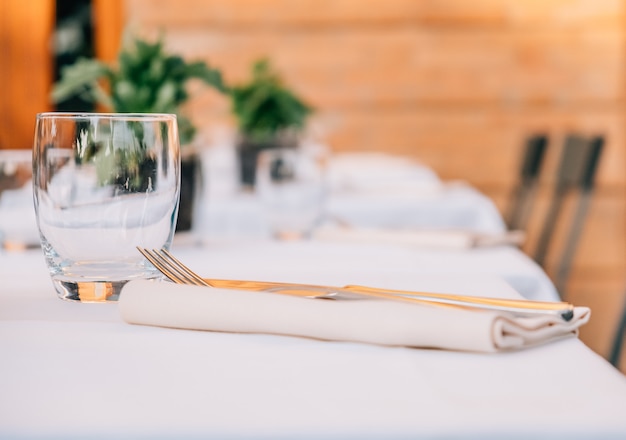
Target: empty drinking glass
<point x="291" y="186"/>
<point x="103" y="185"/>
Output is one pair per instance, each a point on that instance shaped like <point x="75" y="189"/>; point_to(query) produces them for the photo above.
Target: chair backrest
<point x="577" y="169"/>
<point x="533" y="157"/>
<point x="593" y="160"/>
<point x="569" y="173"/>
<point x="618" y="341"/>
<point x="586" y="183"/>
<point x="523" y="193"/>
<point x="573" y="162"/>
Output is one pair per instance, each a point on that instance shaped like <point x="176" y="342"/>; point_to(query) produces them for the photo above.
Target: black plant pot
<point x="248" y="154"/>
<point x="247" y="165"/>
<point x="190" y="187"/>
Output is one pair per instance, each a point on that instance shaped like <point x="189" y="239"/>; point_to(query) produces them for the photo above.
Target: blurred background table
<point x="364" y="190"/>
<point x="380" y="191"/>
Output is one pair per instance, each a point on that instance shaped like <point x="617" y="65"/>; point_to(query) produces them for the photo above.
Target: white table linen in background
<point x="424" y="238"/>
<point x="450" y="206"/>
<point x="74" y="371"/>
<point x="18" y="225"/>
<point x="365" y="190"/>
<point x="367" y="172"/>
<point x="240" y="214"/>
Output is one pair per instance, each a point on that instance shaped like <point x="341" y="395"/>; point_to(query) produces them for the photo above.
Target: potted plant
<point x="268" y="115"/>
<point x="146" y="79"/>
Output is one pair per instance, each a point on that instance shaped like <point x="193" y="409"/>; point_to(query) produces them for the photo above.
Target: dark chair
<point x="524" y="192"/>
<point x="592" y="158"/>
<point x="572" y="167"/>
<point x="618" y="341"/>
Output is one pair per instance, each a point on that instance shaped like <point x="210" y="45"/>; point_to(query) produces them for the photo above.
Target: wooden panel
<point x="26" y="68"/>
<point x="603" y="237"/>
<point x="269" y="12"/>
<point x="482" y="145"/>
<point x="483" y="13"/>
<point x="427" y="91"/>
<point x="421" y="67"/>
<point x="604" y="293"/>
<point x="554" y="14"/>
<point x="108" y="22"/>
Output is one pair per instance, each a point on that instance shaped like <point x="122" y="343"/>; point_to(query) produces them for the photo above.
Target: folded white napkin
<point x="371" y="321"/>
<point x="427" y="238"/>
<point x="379" y="172"/>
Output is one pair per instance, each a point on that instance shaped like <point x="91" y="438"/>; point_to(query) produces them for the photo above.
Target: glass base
<point x="90" y="291"/>
<point x="291" y="235"/>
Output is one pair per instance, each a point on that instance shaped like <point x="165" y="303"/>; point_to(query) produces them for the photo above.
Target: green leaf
<point x="165" y="98"/>
<point x="146" y="79"/>
<point x="264" y="106"/>
<point x="186" y="130"/>
<point x="79" y="78"/>
<point x="210" y="76"/>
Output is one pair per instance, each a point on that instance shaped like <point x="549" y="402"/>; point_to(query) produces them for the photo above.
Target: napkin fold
<point x="371" y="321"/>
<point x="375" y="172"/>
<point x="426" y="238"/>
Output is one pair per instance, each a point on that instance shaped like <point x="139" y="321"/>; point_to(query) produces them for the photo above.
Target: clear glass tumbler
<point x="104" y="184"/>
<point x="291" y="186"/>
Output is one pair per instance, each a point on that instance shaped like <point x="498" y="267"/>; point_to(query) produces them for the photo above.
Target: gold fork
<point x="179" y="273"/>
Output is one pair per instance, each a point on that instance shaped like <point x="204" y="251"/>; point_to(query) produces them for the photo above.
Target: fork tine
<point x="177" y="265"/>
<point x="173" y="271"/>
<point x="180" y="273"/>
<point x="173" y="268"/>
<point x="160" y="266"/>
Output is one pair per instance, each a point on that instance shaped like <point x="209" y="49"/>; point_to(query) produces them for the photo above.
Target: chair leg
<point x="571" y="244"/>
<point x="548" y="227"/>
<point x="618" y="342"/>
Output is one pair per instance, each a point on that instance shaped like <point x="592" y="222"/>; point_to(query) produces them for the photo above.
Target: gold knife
<point x="521" y="307"/>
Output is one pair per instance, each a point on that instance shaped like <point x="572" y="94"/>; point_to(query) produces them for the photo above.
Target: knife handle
<point x="521" y="307"/>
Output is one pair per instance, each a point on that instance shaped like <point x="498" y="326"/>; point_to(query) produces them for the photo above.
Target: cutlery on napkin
<point x="370" y="321"/>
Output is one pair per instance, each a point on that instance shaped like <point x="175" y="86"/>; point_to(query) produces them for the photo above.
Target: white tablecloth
<point x="72" y="370"/>
<point x="453" y="207"/>
<point x="354" y="263"/>
<point x="364" y="190"/>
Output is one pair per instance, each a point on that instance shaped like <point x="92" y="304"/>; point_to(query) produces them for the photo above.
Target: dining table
<point x="72" y="370"/>
<point x="75" y="370"/>
<point x="362" y="189"/>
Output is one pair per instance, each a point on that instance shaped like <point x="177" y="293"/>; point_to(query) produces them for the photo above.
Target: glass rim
<point x="107" y="115"/>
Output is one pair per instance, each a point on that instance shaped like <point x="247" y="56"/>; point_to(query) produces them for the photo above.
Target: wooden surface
<point x="108" y="25"/>
<point x="25" y="68"/>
